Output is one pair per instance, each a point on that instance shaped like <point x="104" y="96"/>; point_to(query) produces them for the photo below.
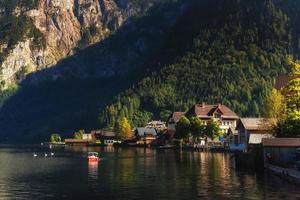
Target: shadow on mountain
<point x="68" y="96"/>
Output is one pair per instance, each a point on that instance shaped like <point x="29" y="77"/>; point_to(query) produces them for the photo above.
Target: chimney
<point x="219" y="105"/>
<point x="203" y="104"/>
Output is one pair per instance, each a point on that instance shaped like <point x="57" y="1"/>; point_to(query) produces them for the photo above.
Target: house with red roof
<point x="225" y="116"/>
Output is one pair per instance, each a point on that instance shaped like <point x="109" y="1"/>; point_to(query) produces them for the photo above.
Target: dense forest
<point x="237" y="50"/>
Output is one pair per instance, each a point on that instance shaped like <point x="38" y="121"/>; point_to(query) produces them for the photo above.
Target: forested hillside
<point x="238" y="48"/>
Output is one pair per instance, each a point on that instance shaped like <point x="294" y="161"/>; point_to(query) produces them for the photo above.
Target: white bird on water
<point x="46" y="154"/>
<point x="35" y="155"/>
<point x="52" y="154"/>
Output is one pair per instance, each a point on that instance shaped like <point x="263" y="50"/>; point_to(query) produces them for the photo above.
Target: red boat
<point x="93" y="157"/>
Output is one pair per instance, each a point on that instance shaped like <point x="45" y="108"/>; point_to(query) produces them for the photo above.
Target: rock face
<point x="65" y="25"/>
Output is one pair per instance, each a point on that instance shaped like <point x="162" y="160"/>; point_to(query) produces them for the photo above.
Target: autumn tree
<point x="124" y="128"/>
<point x="290" y="126"/>
<point x="274" y="106"/>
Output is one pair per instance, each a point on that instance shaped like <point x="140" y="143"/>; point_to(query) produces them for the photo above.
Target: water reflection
<point x="134" y="173"/>
<point x="93" y="171"/>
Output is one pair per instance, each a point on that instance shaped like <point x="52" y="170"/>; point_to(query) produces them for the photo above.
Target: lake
<point x="132" y="173"/>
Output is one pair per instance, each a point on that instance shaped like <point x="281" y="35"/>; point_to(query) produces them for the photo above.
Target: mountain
<point x="68" y="61"/>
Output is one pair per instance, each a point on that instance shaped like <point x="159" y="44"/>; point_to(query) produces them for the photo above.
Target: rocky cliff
<point x="65" y="26"/>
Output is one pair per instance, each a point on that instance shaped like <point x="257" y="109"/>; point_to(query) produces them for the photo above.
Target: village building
<point x="87" y="136"/>
<point x="282" y="155"/>
<point x="159" y="126"/>
<point x="225" y="116"/>
<point x="76" y="142"/>
<point x="172" y="121"/>
<point x="106" y="137"/>
<point x="145" y="136"/>
<point x="250" y="131"/>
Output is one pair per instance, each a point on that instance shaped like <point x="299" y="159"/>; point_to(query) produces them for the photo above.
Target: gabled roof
<point x="145" y="131"/>
<point x="257" y="123"/>
<point x="204" y="110"/>
<point x="175" y="117"/>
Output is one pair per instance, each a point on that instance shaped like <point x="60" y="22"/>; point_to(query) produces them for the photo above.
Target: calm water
<point x="132" y="174"/>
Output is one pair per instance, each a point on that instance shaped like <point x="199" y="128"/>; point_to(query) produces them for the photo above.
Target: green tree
<point x="124" y="128"/>
<point x="183" y="128"/>
<point x="55" y="138"/>
<point x="197" y="127"/>
<point x="78" y="134"/>
<point x="212" y="129"/>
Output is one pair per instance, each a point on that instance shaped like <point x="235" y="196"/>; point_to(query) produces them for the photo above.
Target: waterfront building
<point x="159" y="126"/>
<point x="145" y="135"/>
<point x="282" y="155"/>
<point x="250" y="131"/>
<point x="106" y="137"/>
<point x="172" y="121"/>
<point x="225" y="116"/>
<point x="281" y="151"/>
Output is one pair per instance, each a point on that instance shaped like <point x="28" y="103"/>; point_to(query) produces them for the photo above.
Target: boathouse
<point x="281" y="152"/>
<point x="250" y="131"/>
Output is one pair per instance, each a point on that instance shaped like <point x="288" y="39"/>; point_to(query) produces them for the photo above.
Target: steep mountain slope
<point x="35" y="34"/>
<point x="68" y="95"/>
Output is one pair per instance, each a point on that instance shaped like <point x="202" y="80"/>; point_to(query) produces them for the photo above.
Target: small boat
<point x="35" y="155"/>
<point x="93" y="157"/>
<point x="45" y="154"/>
<point x="52" y="154"/>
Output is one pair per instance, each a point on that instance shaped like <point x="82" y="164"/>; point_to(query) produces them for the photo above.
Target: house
<point x="87" y="136"/>
<point x="224" y="115"/>
<point x="106" y="137"/>
<point x="145" y="135"/>
<point x="250" y="131"/>
<point x="158" y="125"/>
<point x="282" y="155"/>
<point x="76" y="142"/>
<point x="172" y="121"/>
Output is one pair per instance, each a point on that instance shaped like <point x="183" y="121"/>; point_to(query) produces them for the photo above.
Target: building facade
<point x="225" y="116"/>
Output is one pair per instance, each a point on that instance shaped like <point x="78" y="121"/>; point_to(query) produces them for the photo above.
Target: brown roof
<point x="204" y="110"/>
<point x="281" y="142"/>
<point x="257" y="123"/>
<point x="76" y="141"/>
<point x="281" y="82"/>
<point x="175" y="117"/>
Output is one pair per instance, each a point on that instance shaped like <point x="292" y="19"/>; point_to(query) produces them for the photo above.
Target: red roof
<point x="207" y="111"/>
<point x="175" y="117"/>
